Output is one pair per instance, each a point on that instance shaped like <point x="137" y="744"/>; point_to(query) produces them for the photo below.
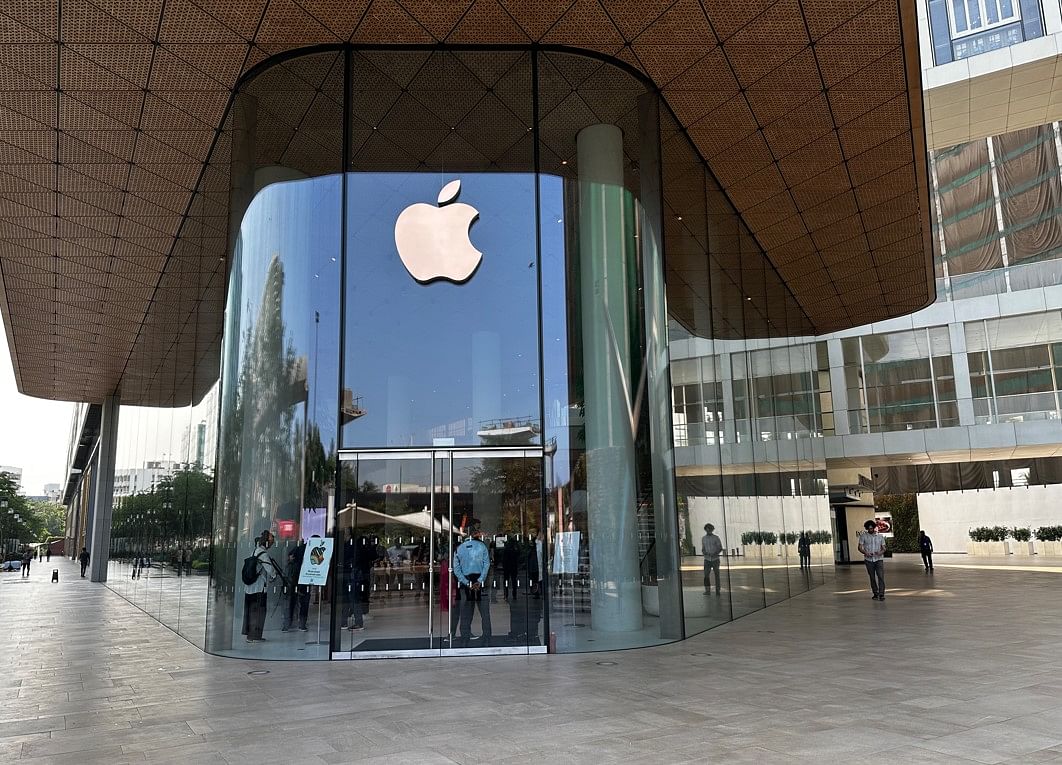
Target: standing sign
<point x="315" y="561"/>
<point x="566" y="553"/>
<point x="883" y="525"/>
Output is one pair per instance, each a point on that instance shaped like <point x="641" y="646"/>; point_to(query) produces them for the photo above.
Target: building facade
<point x="407" y="278"/>
<point x="957" y="403"/>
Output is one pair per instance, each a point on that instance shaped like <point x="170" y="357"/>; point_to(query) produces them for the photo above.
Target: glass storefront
<point x="444" y="418"/>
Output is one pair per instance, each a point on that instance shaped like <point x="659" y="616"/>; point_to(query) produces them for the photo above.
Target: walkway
<point x="959" y="667"/>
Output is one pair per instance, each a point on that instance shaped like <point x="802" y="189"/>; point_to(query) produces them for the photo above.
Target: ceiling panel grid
<point x="808" y="112"/>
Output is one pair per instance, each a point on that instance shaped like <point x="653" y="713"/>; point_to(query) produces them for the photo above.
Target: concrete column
<point x="726" y="376"/>
<point x="241" y="168"/>
<point x="838" y="388"/>
<point x="606" y="266"/>
<point x="658" y="373"/>
<point x="100" y="540"/>
<point x="960" y="364"/>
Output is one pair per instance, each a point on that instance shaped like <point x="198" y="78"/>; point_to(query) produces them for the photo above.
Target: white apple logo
<point x="433" y="242"/>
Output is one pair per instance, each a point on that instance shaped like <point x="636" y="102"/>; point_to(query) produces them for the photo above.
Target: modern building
<point x="433" y="268"/>
<point x="957" y="403"/>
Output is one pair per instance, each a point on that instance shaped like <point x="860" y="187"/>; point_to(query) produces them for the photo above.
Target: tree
<point x="903" y="508"/>
<point x="51" y="516"/>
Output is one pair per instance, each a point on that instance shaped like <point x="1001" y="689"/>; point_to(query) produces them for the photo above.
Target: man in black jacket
<point x="925" y="546"/>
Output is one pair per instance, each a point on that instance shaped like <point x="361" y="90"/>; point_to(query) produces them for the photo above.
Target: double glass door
<point x="406" y="521"/>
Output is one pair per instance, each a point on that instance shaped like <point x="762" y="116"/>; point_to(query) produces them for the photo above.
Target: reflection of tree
<point x="171" y="516"/>
<point x="261" y="450"/>
<point x="517" y="483"/>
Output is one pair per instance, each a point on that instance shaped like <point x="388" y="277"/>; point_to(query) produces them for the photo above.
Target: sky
<point x="34" y="432"/>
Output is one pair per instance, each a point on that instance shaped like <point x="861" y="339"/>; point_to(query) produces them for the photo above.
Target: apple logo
<point x="433" y="242"/>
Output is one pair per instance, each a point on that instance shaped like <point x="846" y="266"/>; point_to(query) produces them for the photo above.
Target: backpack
<point x="250" y="572"/>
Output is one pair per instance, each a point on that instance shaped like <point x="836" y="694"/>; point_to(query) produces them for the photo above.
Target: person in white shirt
<point x="872" y="545"/>
<point x="711" y="547"/>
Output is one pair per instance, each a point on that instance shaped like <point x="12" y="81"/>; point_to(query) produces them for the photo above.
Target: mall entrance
<point x="401" y="521"/>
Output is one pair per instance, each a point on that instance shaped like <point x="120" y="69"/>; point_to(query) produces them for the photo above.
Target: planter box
<point x="1048" y="548"/>
<point x="986" y="548"/>
<point x="1020" y="548"/>
<point x="753" y="552"/>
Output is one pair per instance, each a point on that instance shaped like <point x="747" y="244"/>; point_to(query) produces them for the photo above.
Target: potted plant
<point x="821" y="545"/>
<point x="751" y="542"/>
<point x="1049" y="540"/>
<point x="770" y="539"/>
<point x="1020" y="544"/>
<point x="789" y="544"/>
<point x="987" y="540"/>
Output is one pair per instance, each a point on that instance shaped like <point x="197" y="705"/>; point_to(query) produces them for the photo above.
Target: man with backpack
<point x="258" y="571"/>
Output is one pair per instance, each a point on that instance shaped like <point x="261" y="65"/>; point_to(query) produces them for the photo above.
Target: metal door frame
<point x="450" y="453"/>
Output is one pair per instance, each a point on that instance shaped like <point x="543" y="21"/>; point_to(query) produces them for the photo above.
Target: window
<point x="971" y="16"/>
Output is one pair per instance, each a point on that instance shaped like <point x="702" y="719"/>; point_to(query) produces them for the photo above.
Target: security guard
<point x="471" y="568"/>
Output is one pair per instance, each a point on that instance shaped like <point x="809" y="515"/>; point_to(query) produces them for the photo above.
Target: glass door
<point x="439" y="552"/>
<point x="386" y="533"/>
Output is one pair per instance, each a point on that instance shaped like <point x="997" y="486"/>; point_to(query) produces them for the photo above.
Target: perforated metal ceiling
<point x="807" y="111"/>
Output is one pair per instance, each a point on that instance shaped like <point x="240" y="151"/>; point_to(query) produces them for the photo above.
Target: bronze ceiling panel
<point x="808" y="113"/>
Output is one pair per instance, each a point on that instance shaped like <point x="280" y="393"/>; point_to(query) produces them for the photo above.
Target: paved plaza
<point x="958" y="667"/>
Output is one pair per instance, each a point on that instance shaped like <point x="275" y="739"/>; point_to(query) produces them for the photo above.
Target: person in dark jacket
<point x="298" y="594"/>
<point x="510" y="565"/>
<point x="83" y="557"/>
<point x="804" y="549"/>
<point x="925" y="546"/>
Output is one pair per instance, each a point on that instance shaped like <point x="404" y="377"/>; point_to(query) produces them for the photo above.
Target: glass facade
<point x="900" y="381"/>
<point x="1014" y="367"/>
<point x="446" y="416"/>
<point x="964" y="28"/>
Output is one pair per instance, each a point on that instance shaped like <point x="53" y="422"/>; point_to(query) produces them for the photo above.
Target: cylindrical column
<point x="99" y="541"/>
<point x="605" y="270"/>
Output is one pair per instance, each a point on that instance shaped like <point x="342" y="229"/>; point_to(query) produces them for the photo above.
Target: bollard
<point x="55" y="575"/>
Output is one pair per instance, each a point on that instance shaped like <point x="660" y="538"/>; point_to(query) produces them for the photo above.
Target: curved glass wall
<point x="447" y="317"/>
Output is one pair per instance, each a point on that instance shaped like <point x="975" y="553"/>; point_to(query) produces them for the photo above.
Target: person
<point x="925" y="545"/>
<point x="534" y="565"/>
<point x="510" y="565"/>
<point x="711" y="547"/>
<point x="27" y="558"/>
<point x="48" y="554"/>
<point x="360" y="575"/>
<point x="804" y="549"/>
<point x="298" y="594"/>
<point x="872" y="545"/>
<point x="254" y="597"/>
<point x="83" y="557"/>
<point x="471" y="567"/>
<point x="396" y="557"/>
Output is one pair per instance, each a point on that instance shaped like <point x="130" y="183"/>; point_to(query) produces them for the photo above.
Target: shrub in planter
<point x="768" y="537"/>
<point x="1020" y="535"/>
<point x="1049" y="533"/>
<point x="791" y="537"/>
<point x="989" y="533"/>
<point x="1049" y="540"/>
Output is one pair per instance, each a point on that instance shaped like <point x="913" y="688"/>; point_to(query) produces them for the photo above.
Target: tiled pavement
<point x="960" y="668"/>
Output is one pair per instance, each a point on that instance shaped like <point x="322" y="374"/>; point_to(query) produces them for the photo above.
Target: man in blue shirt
<point x="471" y="567"/>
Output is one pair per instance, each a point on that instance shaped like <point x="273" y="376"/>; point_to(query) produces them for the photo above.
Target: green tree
<point x="904" y="511"/>
<point x="19" y="524"/>
<point x="51" y="516"/>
